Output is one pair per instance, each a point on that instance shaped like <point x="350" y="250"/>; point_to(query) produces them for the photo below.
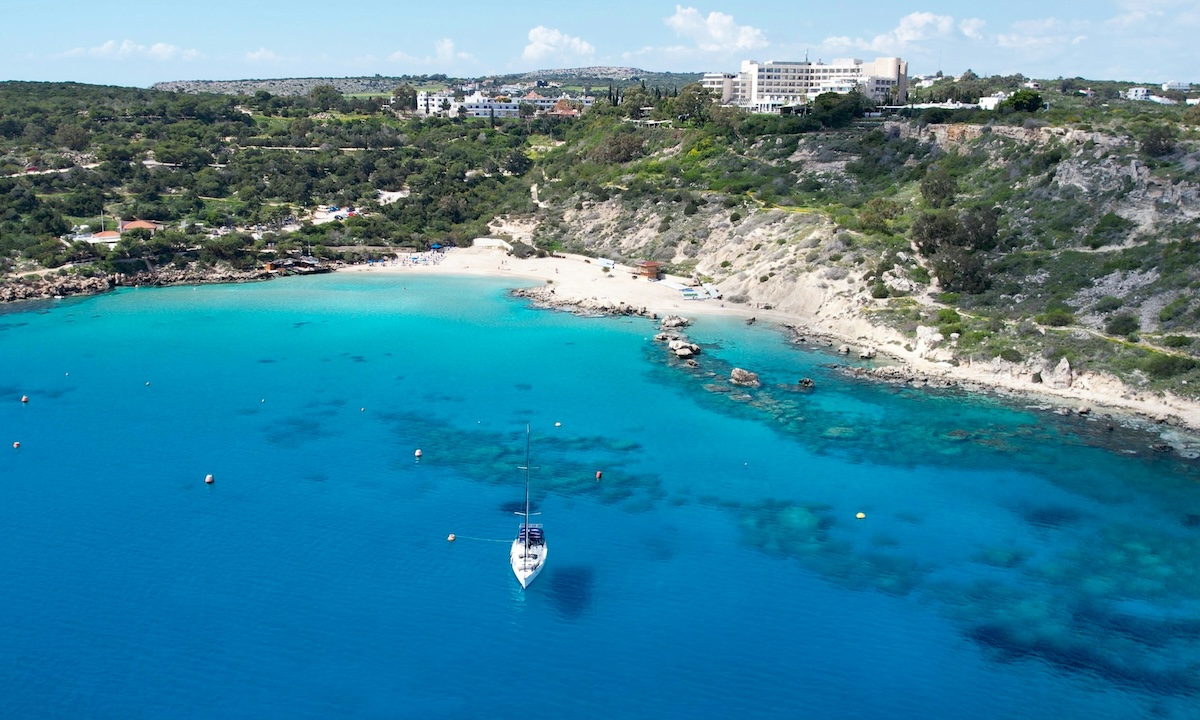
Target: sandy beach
<point x="583" y="282"/>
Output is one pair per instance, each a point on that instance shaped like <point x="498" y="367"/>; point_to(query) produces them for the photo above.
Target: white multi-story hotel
<point x="766" y="87"/>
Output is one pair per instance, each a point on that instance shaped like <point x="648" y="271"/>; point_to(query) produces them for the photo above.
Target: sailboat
<point x="528" y="553"/>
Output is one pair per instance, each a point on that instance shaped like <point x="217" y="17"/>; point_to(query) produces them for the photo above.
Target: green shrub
<point x="1056" y="317"/>
<point x="1162" y="366"/>
<point x="1122" y="324"/>
<point x="1173" y="310"/>
<point x="725" y="263"/>
<point x="948" y="315"/>
<point x="1011" y="355"/>
<point x="735" y="216"/>
<point x="950" y="298"/>
<point x="879" y="291"/>
<point x="1177" y="341"/>
<point x="1107" y="304"/>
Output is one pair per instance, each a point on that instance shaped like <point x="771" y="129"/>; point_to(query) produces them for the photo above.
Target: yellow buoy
<point x="860" y="516"/>
<point x="450" y="537"/>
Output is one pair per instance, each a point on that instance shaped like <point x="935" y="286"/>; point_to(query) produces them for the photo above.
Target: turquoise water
<point x="1012" y="563"/>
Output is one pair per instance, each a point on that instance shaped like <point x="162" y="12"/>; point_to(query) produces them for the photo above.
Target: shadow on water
<point x="516" y="507"/>
<point x="1050" y="518"/>
<point x="571" y="589"/>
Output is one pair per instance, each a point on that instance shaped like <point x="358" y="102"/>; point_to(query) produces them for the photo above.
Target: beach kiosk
<point x="649" y="269"/>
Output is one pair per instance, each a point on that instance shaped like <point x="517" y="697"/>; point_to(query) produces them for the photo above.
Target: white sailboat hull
<point x="527" y="561"/>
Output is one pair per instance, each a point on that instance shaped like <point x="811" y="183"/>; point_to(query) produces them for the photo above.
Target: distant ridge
<point x="596" y="71"/>
<point x="386" y="84"/>
<point x="285" y="86"/>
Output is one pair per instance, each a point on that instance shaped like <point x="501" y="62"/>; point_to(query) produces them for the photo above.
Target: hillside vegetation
<point x="1030" y="233"/>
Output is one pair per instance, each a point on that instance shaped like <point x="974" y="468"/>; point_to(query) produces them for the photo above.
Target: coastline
<point x="579" y="284"/>
<point x="582" y="285"/>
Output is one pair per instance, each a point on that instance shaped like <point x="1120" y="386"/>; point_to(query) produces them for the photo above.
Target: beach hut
<point x="649" y="269"/>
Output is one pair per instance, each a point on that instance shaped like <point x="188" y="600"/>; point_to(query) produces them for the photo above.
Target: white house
<point x="991" y="102"/>
<point x="441" y="103"/>
<point x="1137" y="93"/>
<point x="1176" y="85"/>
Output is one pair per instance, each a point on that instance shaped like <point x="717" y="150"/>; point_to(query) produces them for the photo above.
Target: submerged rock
<point x="745" y="378"/>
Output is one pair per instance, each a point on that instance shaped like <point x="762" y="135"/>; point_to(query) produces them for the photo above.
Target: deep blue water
<point x="1012" y="563"/>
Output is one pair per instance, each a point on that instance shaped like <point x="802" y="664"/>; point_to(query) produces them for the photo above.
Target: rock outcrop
<point x="744" y="378"/>
<point x="35" y="288"/>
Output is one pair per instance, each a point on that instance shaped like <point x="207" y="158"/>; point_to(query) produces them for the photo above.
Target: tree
<point x="1192" y="116"/>
<point x="634" y="99"/>
<point x="72" y="137"/>
<point x="694" y="102"/>
<point x="835" y="110"/>
<point x="1023" y="101"/>
<point x="404" y="97"/>
<point x="939" y="187"/>
<point x="1158" y="141"/>
<point x="323" y="98"/>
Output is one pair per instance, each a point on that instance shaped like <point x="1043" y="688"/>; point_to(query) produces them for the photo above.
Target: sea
<point x="850" y="550"/>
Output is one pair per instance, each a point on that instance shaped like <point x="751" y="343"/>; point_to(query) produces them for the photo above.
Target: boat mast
<point x="526" y="533"/>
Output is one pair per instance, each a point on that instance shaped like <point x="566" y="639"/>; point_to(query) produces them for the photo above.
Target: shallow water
<point x="1012" y="564"/>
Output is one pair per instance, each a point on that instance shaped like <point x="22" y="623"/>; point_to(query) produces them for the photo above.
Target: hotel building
<point x="768" y="86"/>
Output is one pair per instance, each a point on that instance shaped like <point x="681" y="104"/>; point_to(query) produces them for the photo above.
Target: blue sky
<point x="125" y="42"/>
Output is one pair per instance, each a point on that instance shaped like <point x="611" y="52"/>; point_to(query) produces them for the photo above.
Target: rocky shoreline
<point x="60" y="286"/>
<point x="55" y="286"/>
<point x="1175" y="433"/>
<point x="545" y="297"/>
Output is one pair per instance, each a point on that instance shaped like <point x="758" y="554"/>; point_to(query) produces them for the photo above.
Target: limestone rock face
<point x="683" y="348"/>
<point x="928" y="339"/>
<point x="745" y="378"/>
<point x="1061" y="376"/>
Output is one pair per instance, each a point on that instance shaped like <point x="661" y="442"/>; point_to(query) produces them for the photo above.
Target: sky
<point x="138" y="43"/>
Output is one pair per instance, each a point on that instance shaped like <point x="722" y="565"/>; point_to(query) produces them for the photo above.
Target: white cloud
<point x="1043" y="38"/>
<point x="446" y="52"/>
<point x="972" y="28"/>
<point x="129" y="49"/>
<point x="401" y="57"/>
<point x="545" y="43"/>
<point x="914" y="28"/>
<point x="262" y="55"/>
<point x="716" y="32"/>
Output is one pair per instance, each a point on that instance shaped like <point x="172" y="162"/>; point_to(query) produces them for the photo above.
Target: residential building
<point x="501" y="106"/>
<point x="441" y="103"/>
<point x="991" y="102"/>
<point x="1176" y="85"/>
<point x="769" y="86"/>
<point x="1137" y="93"/>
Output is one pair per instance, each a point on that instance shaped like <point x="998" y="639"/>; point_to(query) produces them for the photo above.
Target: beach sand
<point x="576" y="278"/>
